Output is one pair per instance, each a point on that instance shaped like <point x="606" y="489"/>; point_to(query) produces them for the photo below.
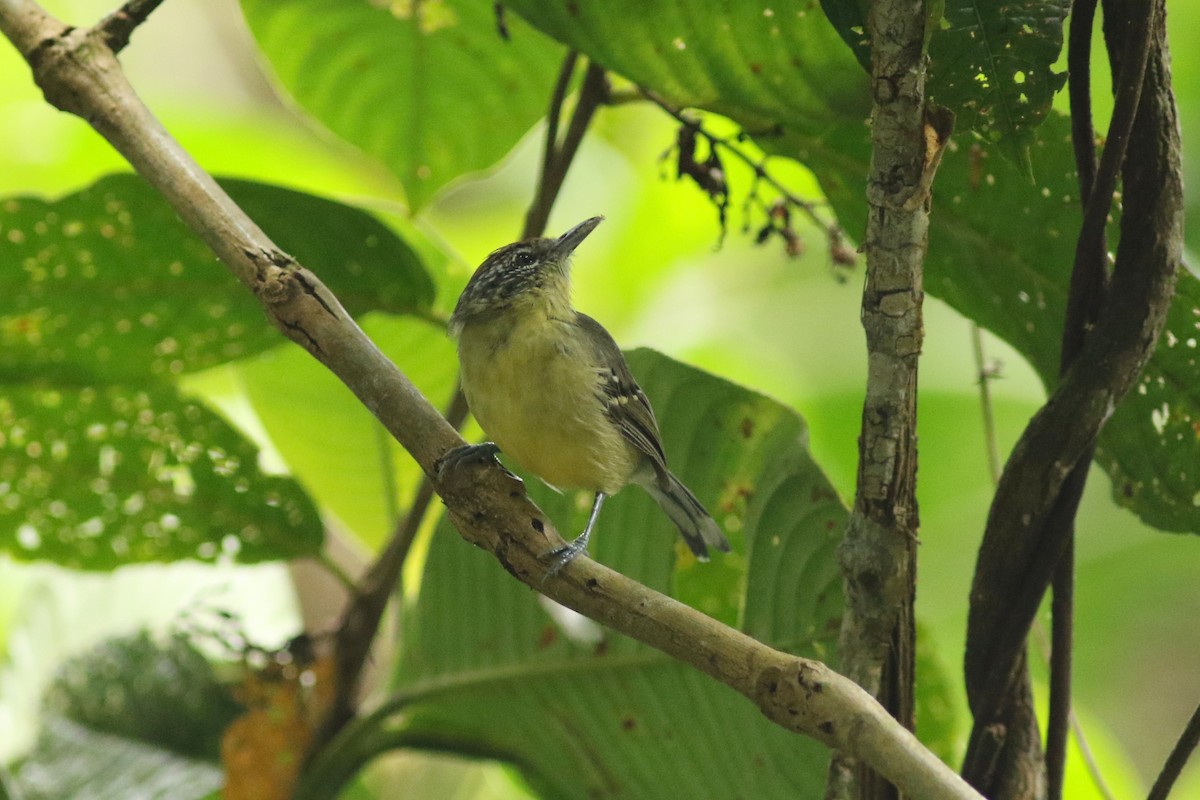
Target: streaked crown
<point x="517" y="270"/>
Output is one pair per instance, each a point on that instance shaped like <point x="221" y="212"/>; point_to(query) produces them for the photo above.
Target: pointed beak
<point x="566" y="244"/>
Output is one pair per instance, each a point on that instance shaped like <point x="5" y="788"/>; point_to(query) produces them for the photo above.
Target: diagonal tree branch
<point x="78" y="73"/>
<point x="1177" y="760"/>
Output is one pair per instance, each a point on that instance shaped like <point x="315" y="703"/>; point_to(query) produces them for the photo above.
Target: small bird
<point x="552" y="390"/>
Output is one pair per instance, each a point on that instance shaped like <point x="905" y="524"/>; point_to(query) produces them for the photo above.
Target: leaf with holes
<point x="588" y="713"/>
<point x="107" y="284"/>
<point x="992" y="63"/>
<point x="97" y="477"/>
<point x="430" y="88"/>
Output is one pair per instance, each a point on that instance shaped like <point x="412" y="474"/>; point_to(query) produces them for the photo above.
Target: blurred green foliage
<point x="783" y="326"/>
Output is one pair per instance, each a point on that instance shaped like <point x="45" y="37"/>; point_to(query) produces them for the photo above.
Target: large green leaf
<point x="107" y="284"/>
<point x="588" y="713"/>
<point x="990" y="63"/>
<point x="110" y="295"/>
<point x="1000" y="248"/>
<point x="97" y="477"/>
<point x="343" y="454"/>
<point x="1001" y="253"/>
<point x="430" y="88"/>
<point x="761" y="66"/>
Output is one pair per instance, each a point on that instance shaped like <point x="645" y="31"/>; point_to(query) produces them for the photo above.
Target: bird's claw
<point x="564" y="555"/>
<point x="468" y="453"/>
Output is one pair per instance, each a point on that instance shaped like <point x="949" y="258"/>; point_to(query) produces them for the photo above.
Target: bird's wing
<point x="626" y="403"/>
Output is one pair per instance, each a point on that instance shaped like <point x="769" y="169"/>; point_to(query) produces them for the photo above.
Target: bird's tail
<point x="698" y="528"/>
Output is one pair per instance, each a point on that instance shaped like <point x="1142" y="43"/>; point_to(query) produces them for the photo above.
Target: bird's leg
<point x="453" y="459"/>
<point x="563" y="555"/>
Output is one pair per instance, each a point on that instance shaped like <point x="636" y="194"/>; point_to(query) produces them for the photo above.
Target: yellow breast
<point x="532" y="387"/>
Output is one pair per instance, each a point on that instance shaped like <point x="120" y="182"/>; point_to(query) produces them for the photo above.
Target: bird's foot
<point x="566" y="554"/>
<point x="467" y="454"/>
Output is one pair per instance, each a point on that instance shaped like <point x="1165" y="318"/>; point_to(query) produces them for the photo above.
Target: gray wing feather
<point x="626" y="403"/>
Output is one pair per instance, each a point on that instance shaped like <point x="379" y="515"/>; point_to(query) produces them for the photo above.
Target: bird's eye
<point x="523" y="258"/>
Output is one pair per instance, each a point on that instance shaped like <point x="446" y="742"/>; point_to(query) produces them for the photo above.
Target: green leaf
<point x="136" y="687"/>
<point x="96" y="477"/>
<point x="107" y="284"/>
<point x="72" y="762"/>
<point x="430" y="88"/>
<point x="1000" y="249"/>
<point x="339" y="452"/>
<point x="587" y="713"/>
<point x="779" y="64"/>
<point x="992" y="63"/>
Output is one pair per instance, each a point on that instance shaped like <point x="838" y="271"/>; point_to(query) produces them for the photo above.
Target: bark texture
<point x="878" y="555"/>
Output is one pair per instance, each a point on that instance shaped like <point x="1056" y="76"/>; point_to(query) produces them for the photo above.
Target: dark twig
<point x="554" y="115"/>
<point x="985" y="374"/>
<point x="360" y="621"/>
<point x="557" y="158"/>
<point x="1022" y="609"/>
<point x="1089" y="279"/>
<point x="1180" y="754"/>
<point x="118" y="26"/>
<point x="841" y="255"/>
<point x="1079" y="76"/>
<point x="1035" y="504"/>
<point x="1062" y="617"/>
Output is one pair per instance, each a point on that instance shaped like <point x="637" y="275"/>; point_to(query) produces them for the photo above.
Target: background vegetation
<point x="784" y="327"/>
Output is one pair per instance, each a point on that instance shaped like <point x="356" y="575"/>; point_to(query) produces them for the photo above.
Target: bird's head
<point x="534" y="272"/>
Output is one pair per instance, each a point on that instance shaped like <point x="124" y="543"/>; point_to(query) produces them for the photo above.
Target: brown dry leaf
<point x="263" y="749"/>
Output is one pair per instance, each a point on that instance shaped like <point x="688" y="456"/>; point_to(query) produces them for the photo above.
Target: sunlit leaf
<point x="585" y="712"/>
<point x="108" y="284"/>
<point x="430" y="88"/>
<point x="101" y="476"/>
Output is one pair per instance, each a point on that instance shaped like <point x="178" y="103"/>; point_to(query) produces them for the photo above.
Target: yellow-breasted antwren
<point x="552" y="390"/>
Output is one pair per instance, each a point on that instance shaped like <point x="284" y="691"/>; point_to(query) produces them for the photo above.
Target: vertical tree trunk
<point x="878" y="555"/>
